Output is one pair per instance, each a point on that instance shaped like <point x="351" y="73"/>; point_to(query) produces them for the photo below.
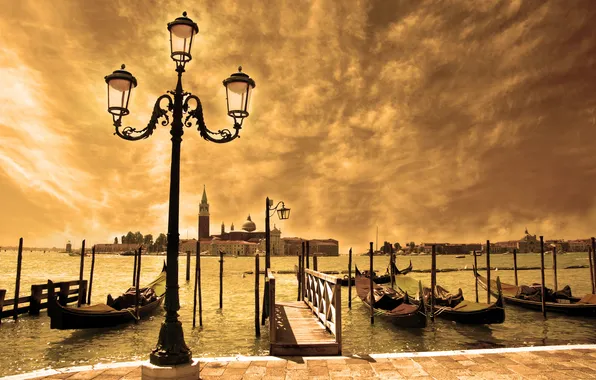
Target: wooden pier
<point x="68" y="291"/>
<point x="310" y="327"/>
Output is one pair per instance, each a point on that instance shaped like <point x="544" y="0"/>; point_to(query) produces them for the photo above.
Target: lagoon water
<point x="29" y="344"/>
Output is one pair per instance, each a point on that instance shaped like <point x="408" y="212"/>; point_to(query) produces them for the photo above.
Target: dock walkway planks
<point x="299" y="332"/>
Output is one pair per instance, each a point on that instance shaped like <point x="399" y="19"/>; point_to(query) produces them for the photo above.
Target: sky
<point x="434" y="121"/>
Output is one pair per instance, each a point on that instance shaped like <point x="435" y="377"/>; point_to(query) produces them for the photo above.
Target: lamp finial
<point x="240" y="69"/>
<point x="184" y="13"/>
<point x="122" y="67"/>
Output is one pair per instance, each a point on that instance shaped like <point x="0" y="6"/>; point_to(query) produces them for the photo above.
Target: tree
<point x="161" y="242"/>
<point x="130" y="238"/>
<point x="397" y="246"/>
<point x="412" y="245"/>
<point x="123" y="240"/>
<point x="138" y="237"/>
<point x="116" y="240"/>
<point x="148" y="240"/>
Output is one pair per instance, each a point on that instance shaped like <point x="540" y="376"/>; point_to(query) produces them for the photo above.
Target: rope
<point x="133" y="314"/>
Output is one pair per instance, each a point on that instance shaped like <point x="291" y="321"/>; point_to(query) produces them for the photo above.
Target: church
<point x="247" y="241"/>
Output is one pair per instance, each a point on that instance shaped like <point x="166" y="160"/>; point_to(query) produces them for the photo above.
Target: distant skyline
<point x="455" y="121"/>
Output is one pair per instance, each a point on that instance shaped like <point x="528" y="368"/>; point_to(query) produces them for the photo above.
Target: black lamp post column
<point x="171" y="348"/>
<point x="267" y="237"/>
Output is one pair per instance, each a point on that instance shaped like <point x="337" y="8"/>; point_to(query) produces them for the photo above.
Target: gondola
<point x="559" y="303"/>
<point x="384" y="279"/>
<point x="453" y="307"/>
<point x="114" y="312"/>
<point x="390" y="304"/>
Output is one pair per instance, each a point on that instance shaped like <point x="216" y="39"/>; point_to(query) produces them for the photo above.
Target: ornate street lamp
<point x="171" y="348"/>
<point x="282" y="213"/>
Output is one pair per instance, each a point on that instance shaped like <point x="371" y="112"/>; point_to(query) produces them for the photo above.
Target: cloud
<point x="436" y="121"/>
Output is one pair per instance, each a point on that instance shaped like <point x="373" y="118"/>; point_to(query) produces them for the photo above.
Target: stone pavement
<point x="554" y="362"/>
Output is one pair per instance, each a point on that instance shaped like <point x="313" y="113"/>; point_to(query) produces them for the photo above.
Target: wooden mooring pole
<point x="91" y="274"/>
<point x="298" y="271"/>
<point x="590" y="250"/>
<point x="476" y="278"/>
<point x="543" y="287"/>
<point x="17" y="287"/>
<point x="81" y="268"/>
<point x="350" y="279"/>
<point x="515" y="265"/>
<point x="194" y="293"/>
<point x="257" y="326"/>
<point x="199" y="284"/>
<point x="137" y="284"/>
<point x="307" y="254"/>
<point x="488" y="271"/>
<point x="302" y="287"/>
<point x="556" y="285"/>
<point x="315" y="264"/>
<point x="433" y="282"/>
<point x="187" y="265"/>
<point x="221" y="261"/>
<point x="371" y="284"/>
<point x="134" y="270"/>
<point x="593" y="255"/>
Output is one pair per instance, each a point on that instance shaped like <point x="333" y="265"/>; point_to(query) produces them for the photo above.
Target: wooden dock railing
<point x="68" y="291"/>
<point x="270" y="279"/>
<point x="323" y="296"/>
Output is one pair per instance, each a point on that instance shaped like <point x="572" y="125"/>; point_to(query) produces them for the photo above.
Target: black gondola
<point x="566" y="304"/>
<point x="383" y="279"/>
<point x="453" y="307"/>
<point x="115" y="312"/>
<point x="390" y="304"/>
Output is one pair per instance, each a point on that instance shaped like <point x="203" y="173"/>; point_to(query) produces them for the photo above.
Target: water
<point x="30" y="344"/>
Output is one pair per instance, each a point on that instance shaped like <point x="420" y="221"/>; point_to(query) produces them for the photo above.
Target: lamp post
<point x="171" y="348"/>
<point x="283" y="213"/>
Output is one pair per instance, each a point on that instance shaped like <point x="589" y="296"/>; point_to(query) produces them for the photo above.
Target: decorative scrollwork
<point x="275" y="208"/>
<point x="132" y="134"/>
<point x="197" y="113"/>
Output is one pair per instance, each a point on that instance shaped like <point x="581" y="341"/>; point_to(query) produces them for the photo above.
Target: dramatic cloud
<point x="434" y="120"/>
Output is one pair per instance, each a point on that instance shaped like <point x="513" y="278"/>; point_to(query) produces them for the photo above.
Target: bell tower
<point x="204" y="216"/>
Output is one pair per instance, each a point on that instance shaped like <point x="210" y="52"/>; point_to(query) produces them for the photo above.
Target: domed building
<point x="249" y="225"/>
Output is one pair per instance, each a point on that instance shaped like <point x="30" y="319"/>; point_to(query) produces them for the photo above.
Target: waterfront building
<point x="118" y="248"/>
<point x="68" y="247"/>
<point x="579" y="245"/>
<point x="248" y="239"/>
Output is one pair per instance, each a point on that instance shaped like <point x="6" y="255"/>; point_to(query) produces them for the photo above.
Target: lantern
<point x="120" y="85"/>
<point x="182" y="31"/>
<point x="239" y="87"/>
<point x="283" y="212"/>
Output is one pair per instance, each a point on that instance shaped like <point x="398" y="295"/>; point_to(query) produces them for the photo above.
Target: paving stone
<point x="296" y="374"/>
<point x="316" y="363"/>
<point x="318" y="371"/>
<point x="234" y="371"/>
<point x="275" y="371"/>
<point x="296" y="365"/>
<point x="86" y="375"/>
<point x="239" y="364"/>
<point x="119" y="371"/>
<point x="276" y="364"/>
<point x="256" y="370"/>
<point x="59" y="376"/>
<point x="212" y="371"/>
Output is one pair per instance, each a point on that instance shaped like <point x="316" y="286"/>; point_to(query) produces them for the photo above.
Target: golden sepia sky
<point x="454" y="121"/>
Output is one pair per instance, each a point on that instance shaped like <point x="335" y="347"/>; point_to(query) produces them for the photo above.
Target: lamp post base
<point x="171" y="349"/>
